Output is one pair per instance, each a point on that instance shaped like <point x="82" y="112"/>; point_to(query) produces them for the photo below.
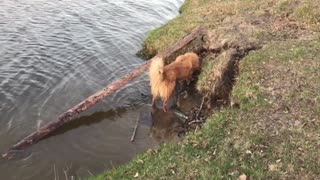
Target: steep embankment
<point x="274" y="131"/>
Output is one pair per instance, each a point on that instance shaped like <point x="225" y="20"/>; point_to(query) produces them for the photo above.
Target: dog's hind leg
<point x="170" y="90"/>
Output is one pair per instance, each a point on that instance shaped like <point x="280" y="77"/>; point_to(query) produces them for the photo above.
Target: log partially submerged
<point x="70" y="115"/>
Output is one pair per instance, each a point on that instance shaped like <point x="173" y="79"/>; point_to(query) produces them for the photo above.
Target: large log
<point x="69" y="115"/>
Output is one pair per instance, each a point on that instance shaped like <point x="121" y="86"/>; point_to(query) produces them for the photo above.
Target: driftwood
<point x="69" y="115"/>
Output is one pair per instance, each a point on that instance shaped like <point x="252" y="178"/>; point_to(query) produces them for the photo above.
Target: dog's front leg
<point x="166" y="101"/>
<point x="154" y="101"/>
<point x="165" y="106"/>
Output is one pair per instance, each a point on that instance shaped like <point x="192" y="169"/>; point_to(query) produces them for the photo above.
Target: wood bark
<point x="70" y="115"/>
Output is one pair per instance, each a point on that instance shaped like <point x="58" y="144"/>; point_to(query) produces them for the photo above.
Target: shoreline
<point x="268" y="127"/>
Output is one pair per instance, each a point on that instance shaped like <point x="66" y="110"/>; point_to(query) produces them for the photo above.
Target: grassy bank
<point x="275" y="133"/>
<point x="213" y="13"/>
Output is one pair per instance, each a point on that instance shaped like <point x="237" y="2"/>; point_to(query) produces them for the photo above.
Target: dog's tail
<point x="156" y="75"/>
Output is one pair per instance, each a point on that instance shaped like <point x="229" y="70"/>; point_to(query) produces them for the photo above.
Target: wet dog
<point x="163" y="78"/>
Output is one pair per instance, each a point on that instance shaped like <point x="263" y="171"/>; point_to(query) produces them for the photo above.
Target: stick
<point x="69" y="115"/>
<point x="135" y="130"/>
<point x="201" y="106"/>
<point x="180" y="115"/>
<point x="55" y="173"/>
<point x="195" y="121"/>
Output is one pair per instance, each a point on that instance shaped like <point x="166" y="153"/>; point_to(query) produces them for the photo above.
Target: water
<point x="56" y="53"/>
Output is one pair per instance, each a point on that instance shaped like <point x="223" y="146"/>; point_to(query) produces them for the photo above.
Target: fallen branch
<point x="135" y="130"/>
<point x="69" y="115"/>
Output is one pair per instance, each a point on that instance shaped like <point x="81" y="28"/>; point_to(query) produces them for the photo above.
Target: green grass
<point x="275" y="88"/>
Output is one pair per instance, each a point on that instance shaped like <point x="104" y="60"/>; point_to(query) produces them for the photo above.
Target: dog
<point x="163" y="78"/>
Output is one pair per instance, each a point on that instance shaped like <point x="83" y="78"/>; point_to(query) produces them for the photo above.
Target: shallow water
<point x="56" y="53"/>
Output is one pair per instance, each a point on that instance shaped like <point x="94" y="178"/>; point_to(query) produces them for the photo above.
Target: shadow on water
<point x="163" y="126"/>
<point x="89" y="120"/>
<point x="166" y="126"/>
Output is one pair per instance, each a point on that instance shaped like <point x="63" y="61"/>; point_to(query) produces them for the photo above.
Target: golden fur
<point x="163" y="78"/>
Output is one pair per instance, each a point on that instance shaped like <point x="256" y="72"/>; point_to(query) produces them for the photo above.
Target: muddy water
<point x="53" y="54"/>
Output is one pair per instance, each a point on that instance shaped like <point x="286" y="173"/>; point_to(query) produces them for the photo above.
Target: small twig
<point x="54" y="171"/>
<point x="135" y="130"/>
<point x="201" y="106"/>
<point x="65" y="171"/>
<point x="195" y="131"/>
<point x="111" y="163"/>
<point x="66" y="175"/>
<point x="90" y="172"/>
<point x="39" y="121"/>
<point x="195" y="121"/>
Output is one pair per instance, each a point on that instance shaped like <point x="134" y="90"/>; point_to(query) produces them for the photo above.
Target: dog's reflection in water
<point x="165" y="126"/>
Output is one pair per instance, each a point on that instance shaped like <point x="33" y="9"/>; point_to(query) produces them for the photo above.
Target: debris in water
<point x="135" y="130"/>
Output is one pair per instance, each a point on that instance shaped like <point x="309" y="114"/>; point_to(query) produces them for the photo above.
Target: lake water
<point x="53" y="54"/>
